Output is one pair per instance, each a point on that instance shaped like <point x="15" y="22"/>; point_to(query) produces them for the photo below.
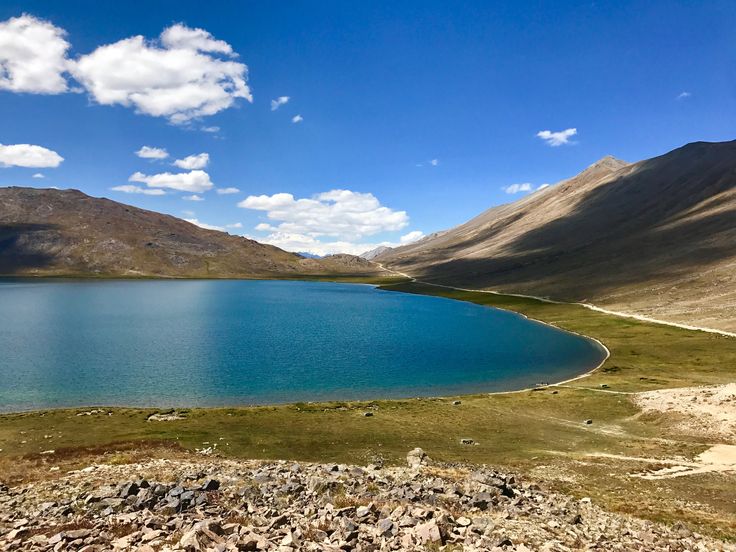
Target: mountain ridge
<point x="50" y="232"/>
<point x="651" y="238"/>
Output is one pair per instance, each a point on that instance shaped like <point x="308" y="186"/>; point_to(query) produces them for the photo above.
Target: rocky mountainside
<point x="65" y="232"/>
<point x="222" y="505"/>
<point x="373" y="253"/>
<point x="655" y="238"/>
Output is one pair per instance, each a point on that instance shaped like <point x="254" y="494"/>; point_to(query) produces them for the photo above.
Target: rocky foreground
<point x="219" y="505"/>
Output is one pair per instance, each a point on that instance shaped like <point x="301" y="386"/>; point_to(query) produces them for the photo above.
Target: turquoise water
<point x="206" y="343"/>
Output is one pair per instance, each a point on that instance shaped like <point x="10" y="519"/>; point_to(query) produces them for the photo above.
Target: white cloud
<point x="328" y="223"/>
<point x="339" y="213"/>
<point x="304" y="243"/>
<point x="193" y="197"/>
<point x="132" y="189"/>
<point x="411" y="237"/>
<point x="516" y="188"/>
<point x="555" y="139"/>
<point x="193" y="181"/>
<point x="278" y="102"/>
<point x="147" y="152"/>
<point x="32" y="56"/>
<point x="234" y="225"/>
<point x="38" y="175"/>
<point x="542" y="186"/>
<point x="265" y="227"/>
<point x="205" y="225"/>
<point x="297" y="119"/>
<point x="184" y="75"/>
<point x="210" y="129"/>
<point x="683" y="95"/>
<point x="27" y="155"/>
<point x="190" y="162"/>
<point x="434" y="162"/>
<point x="227" y="191"/>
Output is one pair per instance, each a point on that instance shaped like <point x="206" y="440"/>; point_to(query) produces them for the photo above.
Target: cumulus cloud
<point x="308" y="244"/>
<point x="27" y="155"/>
<point x="278" y="102"/>
<point x="555" y="139"/>
<point x="331" y="222"/>
<point x="38" y="175"/>
<point x="193" y="197"/>
<point x="133" y="189"/>
<point x="227" y="191"/>
<point x="193" y="181"/>
<point x="33" y="56"/>
<point x="340" y="213"/>
<point x="411" y="237"/>
<point x="147" y="152"/>
<point x="205" y="225"/>
<point x="183" y="75"/>
<point x="516" y="188"/>
<point x="297" y="119"/>
<point x="190" y="162"/>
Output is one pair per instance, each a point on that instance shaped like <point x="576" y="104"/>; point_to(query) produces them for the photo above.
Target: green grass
<point x="541" y="432"/>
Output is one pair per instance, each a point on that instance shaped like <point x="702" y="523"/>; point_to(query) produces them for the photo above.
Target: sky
<point x="330" y="127"/>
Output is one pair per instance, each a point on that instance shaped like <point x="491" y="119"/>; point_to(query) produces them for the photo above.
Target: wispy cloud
<point x="234" y="225"/>
<point x="227" y="191"/>
<point x="132" y="189"/>
<point x="205" y="225"/>
<point x="297" y="119"/>
<point x="434" y="162"/>
<point x="683" y="95"/>
<point x="517" y="188"/>
<point x="278" y="102"/>
<point x="559" y="138"/>
<point x="148" y="152"/>
<point x="38" y="175"/>
<point x="193" y="197"/>
<point x="199" y="161"/>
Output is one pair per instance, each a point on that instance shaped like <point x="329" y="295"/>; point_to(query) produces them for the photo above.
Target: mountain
<point x="655" y="238"/>
<point x="373" y="253"/>
<point x="65" y="232"/>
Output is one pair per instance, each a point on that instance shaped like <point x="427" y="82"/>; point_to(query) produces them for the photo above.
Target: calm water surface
<point x="205" y="343"/>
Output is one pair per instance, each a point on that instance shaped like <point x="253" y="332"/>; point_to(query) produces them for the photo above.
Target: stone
<point x="428" y="532"/>
<point x="416" y="457"/>
<point x="211" y="485"/>
<point x="467" y="441"/>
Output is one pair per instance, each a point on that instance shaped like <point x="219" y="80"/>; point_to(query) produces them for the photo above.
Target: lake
<point x="234" y="342"/>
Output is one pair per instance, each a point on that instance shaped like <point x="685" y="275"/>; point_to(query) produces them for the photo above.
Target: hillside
<point x="655" y="238"/>
<point x="66" y="232"/>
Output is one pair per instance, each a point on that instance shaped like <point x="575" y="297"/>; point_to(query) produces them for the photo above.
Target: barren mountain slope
<point x="65" y="232"/>
<point x="656" y="238"/>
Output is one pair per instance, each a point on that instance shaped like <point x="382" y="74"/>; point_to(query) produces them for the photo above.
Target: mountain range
<point x="49" y="232"/>
<point x="655" y="238"/>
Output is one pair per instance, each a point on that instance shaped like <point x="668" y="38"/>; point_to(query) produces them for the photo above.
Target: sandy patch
<point x="708" y="411"/>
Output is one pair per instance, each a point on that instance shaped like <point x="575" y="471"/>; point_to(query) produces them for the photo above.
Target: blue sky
<point x="422" y="113"/>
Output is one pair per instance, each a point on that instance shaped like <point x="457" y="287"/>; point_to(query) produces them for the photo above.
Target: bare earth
<point x="707" y="411"/>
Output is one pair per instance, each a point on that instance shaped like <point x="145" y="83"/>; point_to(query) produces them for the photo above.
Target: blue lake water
<point x="209" y="342"/>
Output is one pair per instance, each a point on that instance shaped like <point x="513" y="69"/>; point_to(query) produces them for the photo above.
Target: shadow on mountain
<point x="661" y="220"/>
<point x="19" y="247"/>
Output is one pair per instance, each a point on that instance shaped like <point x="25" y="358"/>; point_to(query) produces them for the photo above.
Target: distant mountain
<point x="657" y="238"/>
<point x="308" y="255"/>
<point x="65" y="232"/>
<point x="373" y="253"/>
